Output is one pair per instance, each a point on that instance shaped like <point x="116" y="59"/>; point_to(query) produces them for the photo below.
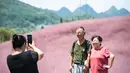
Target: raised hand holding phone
<point x="29" y="38"/>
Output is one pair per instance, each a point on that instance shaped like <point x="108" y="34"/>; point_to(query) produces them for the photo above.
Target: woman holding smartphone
<point x="21" y="61"/>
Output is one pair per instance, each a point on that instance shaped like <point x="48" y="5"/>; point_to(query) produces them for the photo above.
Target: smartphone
<point x="29" y="38"/>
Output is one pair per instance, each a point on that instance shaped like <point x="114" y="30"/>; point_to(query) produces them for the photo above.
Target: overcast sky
<point x="97" y="5"/>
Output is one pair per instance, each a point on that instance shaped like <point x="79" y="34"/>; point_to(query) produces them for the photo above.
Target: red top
<point x="98" y="59"/>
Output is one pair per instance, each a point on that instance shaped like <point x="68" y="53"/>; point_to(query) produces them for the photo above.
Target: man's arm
<point x="71" y="57"/>
<point x="71" y="61"/>
<point x="72" y="53"/>
<point x="87" y="61"/>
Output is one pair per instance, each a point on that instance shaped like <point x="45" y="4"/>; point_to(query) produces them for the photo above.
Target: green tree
<point x="5" y="34"/>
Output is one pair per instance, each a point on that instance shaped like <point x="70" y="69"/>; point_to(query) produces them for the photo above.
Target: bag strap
<point x="86" y="46"/>
<point x="74" y="45"/>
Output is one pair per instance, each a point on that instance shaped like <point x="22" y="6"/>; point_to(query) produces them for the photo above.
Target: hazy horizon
<point x="100" y="6"/>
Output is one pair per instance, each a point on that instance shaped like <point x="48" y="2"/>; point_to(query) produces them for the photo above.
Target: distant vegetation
<point x="15" y="14"/>
<point x="6" y="34"/>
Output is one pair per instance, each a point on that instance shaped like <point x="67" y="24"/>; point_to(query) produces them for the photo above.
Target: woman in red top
<point x="98" y="57"/>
